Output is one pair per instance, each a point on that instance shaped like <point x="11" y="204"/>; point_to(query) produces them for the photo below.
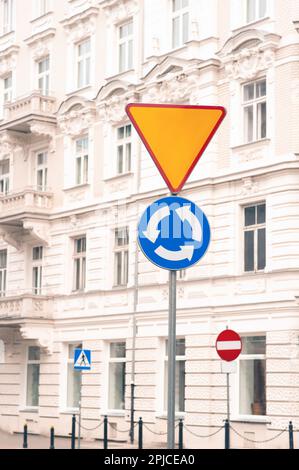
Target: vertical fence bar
<point x="105" y="432"/>
<point x="52" y="437"/>
<point x="181" y="427"/>
<point x="73" y="436"/>
<point x="291" y="435"/>
<point x="25" y="437"/>
<point x="226" y="438"/>
<point x="140" y="434"/>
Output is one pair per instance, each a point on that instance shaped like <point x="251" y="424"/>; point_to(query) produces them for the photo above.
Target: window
<point x="252" y="376"/>
<point x="7" y="85"/>
<point x="117" y="374"/>
<point x="255" y="237"/>
<point x="42" y="171"/>
<point x="125" y="48"/>
<point x="83" y="63"/>
<point x="180" y="22"/>
<point x="124" y="149"/>
<point x="3" y="272"/>
<point x="7" y="15"/>
<point x="79" y="264"/>
<point x="82" y="161"/>
<point x="73" y="379"/>
<point x="121" y="256"/>
<point x="33" y="363"/>
<point x="255" y="111"/>
<point x="255" y="9"/>
<point x="37" y="270"/>
<point x="44" y="76"/>
<point x="41" y="7"/>
<point x="4" y="176"/>
<point x="179" y="375"/>
<point x="182" y="274"/>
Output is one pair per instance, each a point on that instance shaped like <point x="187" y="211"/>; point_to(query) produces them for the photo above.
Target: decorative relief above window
<point x="81" y="25"/>
<point x="248" y="53"/>
<point x="76" y="119"/>
<point x="8" y="60"/>
<point x="117" y="11"/>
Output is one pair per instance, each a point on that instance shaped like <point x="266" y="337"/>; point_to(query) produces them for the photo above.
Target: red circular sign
<point x="228" y="345"/>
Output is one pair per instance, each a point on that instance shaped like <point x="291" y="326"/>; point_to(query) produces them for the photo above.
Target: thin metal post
<point x="105" y="432"/>
<point x="52" y="437"/>
<point x="132" y="413"/>
<point x="291" y="435"/>
<point x="79" y="430"/>
<point x="73" y="436"/>
<point x="181" y="427"/>
<point x="228" y="412"/>
<point x="171" y="360"/>
<point x="140" y="434"/>
<point x="226" y="437"/>
<point x="25" y="437"/>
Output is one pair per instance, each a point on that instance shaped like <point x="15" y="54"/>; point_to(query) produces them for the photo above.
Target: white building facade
<point x="75" y="179"/>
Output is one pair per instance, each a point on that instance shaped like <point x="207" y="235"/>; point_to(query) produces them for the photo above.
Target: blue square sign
<point x="82" y="359"/>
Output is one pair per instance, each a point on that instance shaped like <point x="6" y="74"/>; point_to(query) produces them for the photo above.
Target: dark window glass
<point x="261" y="214"/>
<point x="261" y="248"/>
<point x="249" y="251"/>
<point x="250" y="216"/>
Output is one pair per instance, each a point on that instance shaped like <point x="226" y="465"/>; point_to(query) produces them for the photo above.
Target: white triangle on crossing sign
<point x="82" y="360"/>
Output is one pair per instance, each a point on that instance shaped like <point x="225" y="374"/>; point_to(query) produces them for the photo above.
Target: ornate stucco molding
<point x="43" y="336"/>
<point x="45" y="130"/>
<point x="8" y="60"/>
<point x="9" y="145"/>
<point x="40" y="43"/>
<point x="119" y="10"/>
<point x="248" y="53"/>
<point x="76" y="121"/>
<point x="113" y="109"/>
<point x="81" y="25"/>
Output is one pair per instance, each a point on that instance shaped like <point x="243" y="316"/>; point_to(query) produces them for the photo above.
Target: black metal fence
<point x="227" y="428"/>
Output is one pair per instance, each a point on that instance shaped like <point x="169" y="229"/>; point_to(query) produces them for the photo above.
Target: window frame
<point x="124" y="143"/>
<point x="179" y="14"/>
<point x="5" y="178"/>
<point x="37" y="266"/>
<point x="254" y="104"/>
<point x="248" y="357"/>
<point x="123" y="250"/>
<point x="41" y="8"/>
<point x="3" y="276"/>
<point x="128" y="43"/>
<point x="44" y="76"/>
<point x="82" y="156"/>
<point x="256" y="9"/>
<point x="114" y="360"/>
<point x="255" y="227"/>
<point x="70" y="360"/>
<point x="29" y="362"/>
<point x="43" y="169"/>
<point x="85" y="58"/>
<point x="8" y="91"/>
<point x="7" y="26"/>
<point x="178" y="358"/>
<point x="81" y="256"/>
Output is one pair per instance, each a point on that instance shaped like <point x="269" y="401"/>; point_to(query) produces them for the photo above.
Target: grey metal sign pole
<point x="80" y="409"/>
<point x="171" y="360"/>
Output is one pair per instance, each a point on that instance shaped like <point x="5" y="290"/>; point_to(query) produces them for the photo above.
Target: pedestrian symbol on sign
<point x="82" y="360"/>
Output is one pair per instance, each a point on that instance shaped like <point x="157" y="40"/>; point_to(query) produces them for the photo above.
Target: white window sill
<point x="77" y="186"/>
<point x="76" y="90"/>
<point x="114" y="413"/>
<point x="3" y="35"/>
<point x="29" y="410"/>
<point x="266" y="140"/>
<point x="178" y="415"/>
<point x="69" y="411"/>
<point x="120" y="74"/>
<point x="251" y="419"/>
<point x="118" y="176"/>
<point x="39" y="17"/>
<point x="251" y="23"/>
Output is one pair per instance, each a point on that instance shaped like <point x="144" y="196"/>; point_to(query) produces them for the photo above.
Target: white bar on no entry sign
<point x="225" y="345"/>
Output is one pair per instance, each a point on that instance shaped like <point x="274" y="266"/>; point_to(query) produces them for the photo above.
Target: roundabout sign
<point x="174" y="233"/>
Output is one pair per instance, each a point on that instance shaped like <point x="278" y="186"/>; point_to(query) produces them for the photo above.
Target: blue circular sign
<point x="174" y="233"/>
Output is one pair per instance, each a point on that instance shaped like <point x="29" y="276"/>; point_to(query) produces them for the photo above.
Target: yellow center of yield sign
<point x="175" y="136"/>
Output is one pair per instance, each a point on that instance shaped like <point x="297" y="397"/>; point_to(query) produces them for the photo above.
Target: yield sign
<point x="175" y="136"/>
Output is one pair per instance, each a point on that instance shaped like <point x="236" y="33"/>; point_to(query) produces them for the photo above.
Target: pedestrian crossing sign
<point x="82" y="359"/>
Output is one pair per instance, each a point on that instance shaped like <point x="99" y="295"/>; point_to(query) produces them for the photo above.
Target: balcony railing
<point x="26" y="306"/>
<point x="26" y="201"/>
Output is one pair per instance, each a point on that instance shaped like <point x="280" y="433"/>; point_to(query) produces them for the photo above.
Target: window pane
<point x="117" y="268"/>
<point x="118" y="350"/>
<point x="185" y="3"/>
<point x="3" y="259"/>
<point x="249" y="92"/>
<point x="122" y="57"/>
<point x="37" y="253"/>
<point x="252" y="387"/>
<point x="120" y="151"/>
<point x="73" y="386"/>
<point x="261" y="248"/>
<point x="130" y="54"/>
<point x="176" y="32"/>
<point x="125" y="268"/>
<point x="249" y="251"/>
<point x="250" y="10"/>
<point x="71" y="349"/>
<point x="250" y="216"/>
<point x="261" y="214"/>
<point x="121" y="236"/>
<point x="179" y="386"/>
<point x="248" y="123"/>
<point x="262" y="8"/>
<point x="261" y="120"/>
<point x="117" y="386"/>
<point x="176" y="5"/>
<point x="254" y="345"/>
<point x="87" y="71"/>
<point x="33" y="353"/>
<point x="179" y="347"/>
<point x="128" y="130"/>
<point x="120" y="132"/>
<point x="128" y="157"/>
<point x="261" y="88"/>
<point x="32" y="384"/>
<point x="185" y="27"/>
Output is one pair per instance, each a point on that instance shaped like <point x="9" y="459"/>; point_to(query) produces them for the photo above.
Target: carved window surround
<point x="81" y="25"/>
<point x="8" y="59"/>
<point x="40" y="43"/>
<point x="77" y="121"/>
<point x="42" y="23"/>
<point x="9" y="144"/>
<point x="119" y="10"/>
<point x="112" y="109"/>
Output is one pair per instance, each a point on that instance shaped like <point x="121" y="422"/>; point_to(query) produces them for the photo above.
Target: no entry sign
<point x="228" y="345"/>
